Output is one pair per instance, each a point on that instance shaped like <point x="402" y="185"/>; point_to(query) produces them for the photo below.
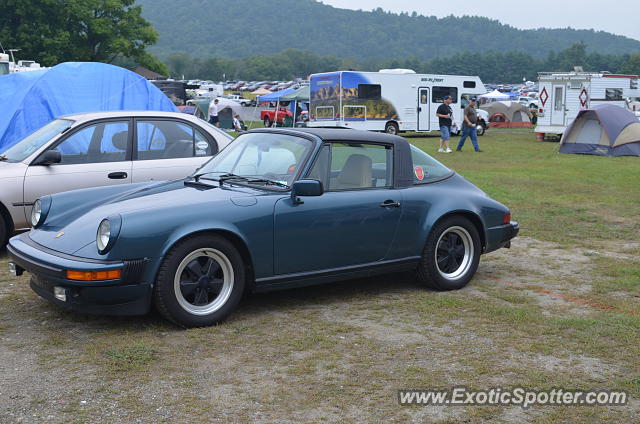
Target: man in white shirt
<point x="213" y="113"/>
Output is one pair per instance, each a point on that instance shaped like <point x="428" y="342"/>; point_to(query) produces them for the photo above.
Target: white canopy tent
<point x="493" y="96"/>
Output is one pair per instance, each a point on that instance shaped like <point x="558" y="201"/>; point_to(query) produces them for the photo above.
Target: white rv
<point x="563" y="95"/>
<point x="390" y="100"/>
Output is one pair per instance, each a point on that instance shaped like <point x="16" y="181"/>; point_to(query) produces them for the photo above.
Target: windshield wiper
<point x="221" y="178"/>
<point x="229" y="176"/>
<point x="267" y="182"/>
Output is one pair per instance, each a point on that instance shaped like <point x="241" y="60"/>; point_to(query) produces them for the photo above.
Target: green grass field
<point x="561" y="308"/>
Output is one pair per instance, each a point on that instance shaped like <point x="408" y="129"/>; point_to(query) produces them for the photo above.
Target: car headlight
<point x="107" y="233"/>
<point x="39" y="211"/>
<point x="36" y="213"/>
<point x="104" y="235"/>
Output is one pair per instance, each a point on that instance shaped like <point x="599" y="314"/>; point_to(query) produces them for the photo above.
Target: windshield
<point x="275" y="157"/>
<point x="25" y="147"/>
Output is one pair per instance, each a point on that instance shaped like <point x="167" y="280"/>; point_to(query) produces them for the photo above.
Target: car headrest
<point x="356" y="172"/>
<point x="120" y="139"/>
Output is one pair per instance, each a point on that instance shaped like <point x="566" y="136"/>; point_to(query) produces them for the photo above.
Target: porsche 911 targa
<point x="276" y="208"/>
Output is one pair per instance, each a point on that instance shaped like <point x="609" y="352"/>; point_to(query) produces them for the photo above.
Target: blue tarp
<point x="273" y="97"/>
<point x="28" y="100"/>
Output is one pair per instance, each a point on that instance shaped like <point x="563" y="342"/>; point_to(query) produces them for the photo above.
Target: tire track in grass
<point x="567" y="298"/>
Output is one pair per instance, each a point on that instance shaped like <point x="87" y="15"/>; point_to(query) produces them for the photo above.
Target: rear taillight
<point x="506" y="218"/>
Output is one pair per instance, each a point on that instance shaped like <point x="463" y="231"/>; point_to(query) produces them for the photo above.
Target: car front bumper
<point x="125" y="296"/>
<point x="501" y="236"/>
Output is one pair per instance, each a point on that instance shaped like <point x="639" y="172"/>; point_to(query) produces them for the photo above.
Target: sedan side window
<point x="103" y="142"/>
<point x="354" y="166"/>
<point x="163" y="139"/>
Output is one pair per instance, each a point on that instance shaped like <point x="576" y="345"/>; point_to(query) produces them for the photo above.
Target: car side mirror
<point x="48" y="157"/>
<point x="302" y="188"/>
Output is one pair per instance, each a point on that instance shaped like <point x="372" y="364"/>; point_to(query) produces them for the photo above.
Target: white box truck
<point x="389" y="100"/>
<point x="563" y="94"/>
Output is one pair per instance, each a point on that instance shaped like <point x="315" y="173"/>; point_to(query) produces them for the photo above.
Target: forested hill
<point x="240" y="28"/>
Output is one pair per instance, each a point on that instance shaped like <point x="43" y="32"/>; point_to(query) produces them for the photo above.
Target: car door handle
<point x="117" y="175"/>
<point x="388" y="203"/>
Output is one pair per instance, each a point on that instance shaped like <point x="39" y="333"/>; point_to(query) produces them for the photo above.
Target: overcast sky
<point x="617" y="16"/>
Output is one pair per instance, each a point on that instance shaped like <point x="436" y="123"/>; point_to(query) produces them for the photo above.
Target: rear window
<point x="425" y="168"/>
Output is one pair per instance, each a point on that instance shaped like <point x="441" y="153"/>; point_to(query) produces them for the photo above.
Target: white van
<point x="390" y="100"/>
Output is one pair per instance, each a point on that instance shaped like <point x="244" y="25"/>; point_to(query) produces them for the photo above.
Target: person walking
<point x="469" y="128"/>
<point x="444" y="114"/>
<point x="213" y="113"/>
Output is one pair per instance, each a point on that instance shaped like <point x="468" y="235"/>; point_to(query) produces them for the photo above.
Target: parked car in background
<point x="239" y="99"/>
<point x="529" y="102"/>
<point x="280" y="116"/>
<point x="276" y="209"/>
<point x="98" y="149"/>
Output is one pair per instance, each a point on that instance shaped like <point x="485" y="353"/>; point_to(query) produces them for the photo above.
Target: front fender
<point x="145" y="235"/>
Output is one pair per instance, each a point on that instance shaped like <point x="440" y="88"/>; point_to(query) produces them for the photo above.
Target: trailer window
<point x="440" y="92"/>
<point x="469" y="84"/>
<point x="613" y="94"/>
<point x="369" y="91"/>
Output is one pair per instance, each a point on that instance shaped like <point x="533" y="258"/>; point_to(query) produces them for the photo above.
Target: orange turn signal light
<point x="113" y="274"/>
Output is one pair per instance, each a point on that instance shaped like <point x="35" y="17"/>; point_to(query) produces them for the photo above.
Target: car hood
<point x="68" y="230"/>
<point x="12" y="169"/>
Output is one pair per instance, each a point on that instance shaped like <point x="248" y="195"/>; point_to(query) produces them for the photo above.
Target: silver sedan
<point x="98" y="149"/>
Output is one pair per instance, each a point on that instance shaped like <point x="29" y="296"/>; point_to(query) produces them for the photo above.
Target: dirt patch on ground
<point x="334" y="353"/>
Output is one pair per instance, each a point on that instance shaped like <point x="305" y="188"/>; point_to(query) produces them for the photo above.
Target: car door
<point x="167" y="149"/>
<point x="352" y="223"/>
<point x="96" y="154"/>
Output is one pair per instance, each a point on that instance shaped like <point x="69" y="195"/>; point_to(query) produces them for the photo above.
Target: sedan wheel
<point x="451" y="254"/>
<point x="200" y="282"/>
<point x="4" y="233"/>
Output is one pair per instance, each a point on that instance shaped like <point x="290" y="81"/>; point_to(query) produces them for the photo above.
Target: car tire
<point x="480" y="130"/>
<point x="267" y="122"/>
<point x="200" y="282"/>
<point x="4" y="232"/>
<point x="391" y="128"/>
<point x="456" y="236"/>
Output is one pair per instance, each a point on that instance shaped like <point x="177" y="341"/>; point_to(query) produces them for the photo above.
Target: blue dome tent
<point x="28" y="100"/>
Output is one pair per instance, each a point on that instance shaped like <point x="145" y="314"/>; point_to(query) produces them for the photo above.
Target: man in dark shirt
<point x="444" y="114"/>
<point x="469" y="128"/>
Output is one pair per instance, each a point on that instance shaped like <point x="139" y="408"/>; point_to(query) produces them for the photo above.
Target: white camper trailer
<point x="390" y="100"/>
<point x="563" y="95"/>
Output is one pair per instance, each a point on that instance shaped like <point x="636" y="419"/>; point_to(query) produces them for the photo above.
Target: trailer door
<point x="424" y="109"/>
<point x="558" y="110"/>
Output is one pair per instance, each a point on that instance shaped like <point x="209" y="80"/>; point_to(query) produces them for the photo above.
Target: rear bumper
<point x="501" y="236"/>
<point x="125" y="296"/>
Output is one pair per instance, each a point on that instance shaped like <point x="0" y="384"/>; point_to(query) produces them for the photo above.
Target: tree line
<point x="490" y="66"/>
<point x="244" y="28"/>
<point x="115" y="31"/>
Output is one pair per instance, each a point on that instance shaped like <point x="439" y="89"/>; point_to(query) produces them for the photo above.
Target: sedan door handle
<point x="388" y="203"/>
<point x="117" y="175"/>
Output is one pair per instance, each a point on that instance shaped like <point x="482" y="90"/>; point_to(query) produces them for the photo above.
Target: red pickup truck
<point x="268" y="117"/>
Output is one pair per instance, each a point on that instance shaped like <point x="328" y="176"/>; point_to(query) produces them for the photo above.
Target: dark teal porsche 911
<point x="276" y="208"/>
